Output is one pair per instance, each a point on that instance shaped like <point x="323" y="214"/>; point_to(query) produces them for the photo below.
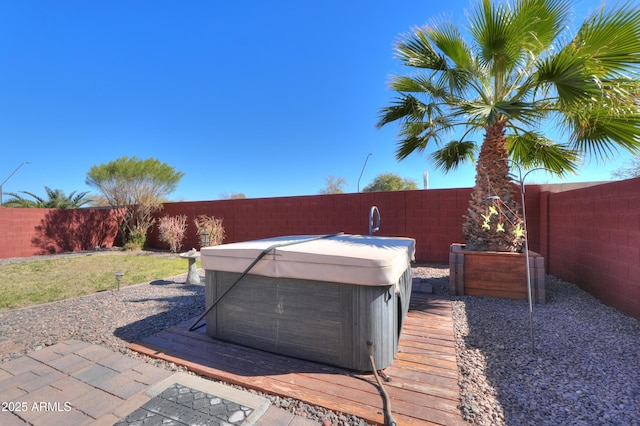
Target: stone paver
<point x="57" y="418"/>
<point x="75" y="382"/>
<point x="130" y="405"/>
<point x="20" y="365"/>
<point x="70" y="346"/>
<point x="273" y="416"/>
<point x="150" y="374"/>
<point x="189" y="406"/>
<point x="43" y="402"/>
<point x="11" y="393"/>
<point x="45" y="355"/>
<point x="18" y="380"/>
<point x="4" y="374"/>
<point x="70" y="363"/>
<point x="10" y="419"/>
<point x="44" y="378"/>
<point x="94" y="353"/>
<point x="118" y="362"/>
<point x="71" y="387"/>
<point x="95" y="375"/>
<point x="124" y="385"/>
<point x="96" y="403"/>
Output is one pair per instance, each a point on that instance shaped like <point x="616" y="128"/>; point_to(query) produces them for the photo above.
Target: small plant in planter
<point x="211" y="228"/>
<point x="172" y="231"/>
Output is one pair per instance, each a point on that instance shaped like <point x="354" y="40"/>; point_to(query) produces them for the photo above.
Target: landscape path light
<point x="119" y="275"/>
<point x="204" y="239"/>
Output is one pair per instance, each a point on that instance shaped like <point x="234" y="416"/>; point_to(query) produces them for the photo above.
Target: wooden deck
<point x="423" y="390"/>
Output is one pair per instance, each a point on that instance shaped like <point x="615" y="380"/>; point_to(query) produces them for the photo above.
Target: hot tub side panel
<point x="315" y="320"/>
<point x="374" y="326"/>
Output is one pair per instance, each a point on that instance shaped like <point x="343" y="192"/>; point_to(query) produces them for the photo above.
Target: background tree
<point x="390" y="182"/>
<point x="517" y="74"/>
<point x="333" y="185"/>
<point x="136" y="188"/>
<point x="232" y="196"/>
<point x="56" y="199"/>
<point x="630" y="171"/>
<point x="99" y="200"/>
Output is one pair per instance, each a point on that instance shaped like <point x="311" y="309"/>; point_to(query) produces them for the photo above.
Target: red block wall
<point x="30" y="232"/>
<point x="595" y="241"/>
<point x="588" y="236"/>
<point x="433" y="217"/>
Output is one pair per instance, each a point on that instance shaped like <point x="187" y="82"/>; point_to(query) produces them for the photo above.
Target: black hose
<point x="246" y="271"/>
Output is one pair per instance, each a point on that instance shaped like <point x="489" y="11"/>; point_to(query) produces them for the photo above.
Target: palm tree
<point x="56" y="200"/>
<point x="519" y="74"/>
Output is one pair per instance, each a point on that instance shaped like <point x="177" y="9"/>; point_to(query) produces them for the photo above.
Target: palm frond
<point x="419" y="84"/>
<point x="520" y="113"/>
<point x="38" y="201"/>
<point x="453" y="154"/>
<point x="448" y="39"/>
<point x="532" y="149"/>
<point x="602" y="135"/>
<point x="411" y="144"/>
<point x="18" y="201"/>
<point x="416" y="51"/>
<point x="416" y="134"/>
<point x="611" y="39"/>
<point x="493" y="35"/>
<point x="540" y="22"/>
<point x="566" y="72"/>
<point x="405" y="106"/>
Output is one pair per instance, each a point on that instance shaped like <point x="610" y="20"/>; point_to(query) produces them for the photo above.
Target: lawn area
<point x="33" y="282"/>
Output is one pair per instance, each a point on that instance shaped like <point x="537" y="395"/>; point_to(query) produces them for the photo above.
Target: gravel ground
<point x="584" y="369"/>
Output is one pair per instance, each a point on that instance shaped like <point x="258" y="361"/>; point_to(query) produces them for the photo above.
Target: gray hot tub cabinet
<point x="313" y="313"/>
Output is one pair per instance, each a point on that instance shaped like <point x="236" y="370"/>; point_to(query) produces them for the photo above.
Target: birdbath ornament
<point x="192" y="255"/>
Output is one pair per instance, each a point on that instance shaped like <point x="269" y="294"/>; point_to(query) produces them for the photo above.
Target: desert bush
<point x="172" y="230"/>
<point x="212" y="226"/>
<point x="136" y="240"/>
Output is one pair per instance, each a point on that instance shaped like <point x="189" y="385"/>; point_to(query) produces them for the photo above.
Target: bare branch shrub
<point x="172" y="230"/>
<point x="212" y="226"/>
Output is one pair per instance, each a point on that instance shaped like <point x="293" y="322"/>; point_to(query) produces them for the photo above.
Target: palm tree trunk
<point x="487" y="228"/>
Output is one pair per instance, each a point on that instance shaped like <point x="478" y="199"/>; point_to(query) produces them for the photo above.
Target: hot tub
<point x="331" y="299"/>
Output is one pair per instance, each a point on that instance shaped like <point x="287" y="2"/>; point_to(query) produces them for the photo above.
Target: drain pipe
<point x="246" y="271"/>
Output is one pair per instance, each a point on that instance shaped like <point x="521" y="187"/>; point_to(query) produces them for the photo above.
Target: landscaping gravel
<point x="584" y="369"/>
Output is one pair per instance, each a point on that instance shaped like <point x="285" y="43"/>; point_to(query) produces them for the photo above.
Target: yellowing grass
<point x="34" y="282"/>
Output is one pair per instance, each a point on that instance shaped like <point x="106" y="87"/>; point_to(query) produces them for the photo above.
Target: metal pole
<point x="13" y="173"/>
<point x="362" y="171"/>
<point x="526" y="245"/>
<point x="526" y="254"/>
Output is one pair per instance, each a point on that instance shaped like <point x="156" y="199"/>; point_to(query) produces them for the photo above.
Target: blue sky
<point x="263" y="98"/>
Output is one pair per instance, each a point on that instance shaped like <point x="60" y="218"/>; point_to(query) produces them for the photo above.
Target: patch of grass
<point x="39" y="281"/>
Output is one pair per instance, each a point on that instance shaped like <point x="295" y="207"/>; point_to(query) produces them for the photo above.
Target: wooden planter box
<point x="495" y="274"/>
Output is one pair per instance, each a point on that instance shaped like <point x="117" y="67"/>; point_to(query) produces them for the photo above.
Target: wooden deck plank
<point x="424" y="377"/>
